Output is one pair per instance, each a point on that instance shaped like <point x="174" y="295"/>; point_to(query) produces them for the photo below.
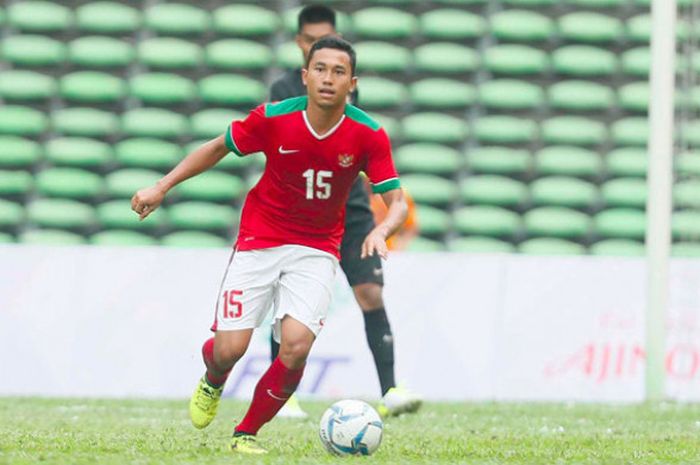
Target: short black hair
<point x="314" y="14"/>
<point x="337" y="43"/>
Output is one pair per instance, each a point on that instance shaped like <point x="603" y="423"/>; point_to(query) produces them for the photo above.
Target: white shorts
<point x="291" y="280"/>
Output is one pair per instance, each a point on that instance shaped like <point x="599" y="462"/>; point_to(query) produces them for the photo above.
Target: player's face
<point x="329" y="78"/>
<point x="310" y="33"/>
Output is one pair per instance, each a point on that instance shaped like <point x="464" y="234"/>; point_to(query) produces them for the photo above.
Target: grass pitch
<point x="75" y="432"/>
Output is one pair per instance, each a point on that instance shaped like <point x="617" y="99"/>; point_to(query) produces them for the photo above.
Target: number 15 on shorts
<point x="232" y="307"/>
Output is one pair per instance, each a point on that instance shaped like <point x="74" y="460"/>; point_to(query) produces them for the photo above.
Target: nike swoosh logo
<point x="269" y="393"/>
<point x="282" y="151"/>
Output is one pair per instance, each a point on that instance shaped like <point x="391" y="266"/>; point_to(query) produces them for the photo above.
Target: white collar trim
<point x="330" y="131"/>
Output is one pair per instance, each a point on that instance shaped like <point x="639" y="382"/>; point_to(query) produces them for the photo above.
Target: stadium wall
<point x="118" y="322"/>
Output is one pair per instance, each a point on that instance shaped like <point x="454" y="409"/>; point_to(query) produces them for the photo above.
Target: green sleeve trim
<point x="287" y="106"/>
<point x="386" y="186"/>
<point x="231" y="145"/>
<point x="361" y="117"/>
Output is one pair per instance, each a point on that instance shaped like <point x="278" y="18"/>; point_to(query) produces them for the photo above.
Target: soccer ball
<point x="351" y="427"/>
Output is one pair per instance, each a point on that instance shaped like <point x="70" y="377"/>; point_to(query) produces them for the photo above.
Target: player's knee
<point x="369" y="296"/>
<point x="293" y="354"/>
<point x="227" y="353"/>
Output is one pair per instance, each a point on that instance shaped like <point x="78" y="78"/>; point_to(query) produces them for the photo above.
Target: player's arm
<point x="397" y="211"/>
<point x="147" y="200"/>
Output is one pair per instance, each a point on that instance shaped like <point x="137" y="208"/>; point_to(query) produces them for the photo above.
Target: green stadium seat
<point x="288" y="55"/>
<point x="343" y="22"/>
<point x="213" y="122"/>
<point x="622" y="223"/>
<point x="550" y="246"/>
<point x="15" y="183"/>
<point x="202" y="216"/>
<point x="383" y="23"/>
<point x="70" y="183"/>
<point x="687" y="163"/>
<point x="11" y="214"/>
<point x="530" y="3"/>
<point x="440" y="93"/>
<point x="26" y="85"/>
<point x="154" y="122"/>
<point x="428" y="189"/>
<point x="31" y="50"/>
<point x="505" y="130"/>
<point x="515" y="60"/>
<point x="176" y="19"/>
<point x="238" y="54"/>
<point x="596" y="3"/>
<point x="690" y="134"/>
<point x="107" y="18"/>
<point x="685" y="249"/>
<point x="573" y="130"/>
<point x="686" y="194"/>
<point x="378" y="92"/>
<point x="637" y="61"/>
<point x="169" y="53"/>
<point x="581" y="96"/>
<point x="440" y="57"/>
<point x="16" y="152"/>
<point x="60" y="213"/>
<point x="678" y="2"/>
<point x="87" y="122"/>
<point x="488" y="221"/>
<point x="583" y="61"/>
<point x="562" y="191"/>
<point x="630" y="131"/>
<point x="78" y="152"/>
<point x="433" y="221"/>
<point x="427" y="158"/>
<point x="451" y="24"/>
<point x="493" y="190"/>
<point x="567" y="160"/>
<point x="686" y="225"/>
<point x="638" y="28"/>
<point x="556" y="222"/>
<point x="245" y="20"/>
<point x="92" y="87"/>
<point x="213" y="186"/>
<point x="117" y="214"/>
<point x="122" y="238"/>
<point x="498" y="160"/>
<point x="161" y="88"/>
<point x="521" y="25"/>
<point x="391" y="125"/>
<point x="434" y="127"/>
<point x="381" y="57"/>
<point x="100" y="52"/>
<point x="618" y="247"/>
<point x="477" y="244"/>
<point x="510" y="94"/>
<point x="125" y="182"/>
<point x="625" y="192"/>
<point x="6" y="238"/>
<point x="232" y="89"/>
<point x="39" y="16"/>
<point x="587" y="26"/>
<point x="627" y="161"/>
<point x="142" y="152"/>
<point x="634" y="96"/>
<point x="21" y="121"/>
<point x="194" y="239"/>
<point x="50" y="237"/>
<point x="423" y="245"/>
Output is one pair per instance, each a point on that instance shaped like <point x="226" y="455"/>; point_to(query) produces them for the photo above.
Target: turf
<point x="52" y="431"/>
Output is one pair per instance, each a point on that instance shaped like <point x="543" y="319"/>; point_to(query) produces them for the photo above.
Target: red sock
<point x="215" y="379"/>
<point x="271" y="392"/>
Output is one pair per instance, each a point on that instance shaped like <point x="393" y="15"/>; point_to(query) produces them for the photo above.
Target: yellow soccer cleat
<point x="204" y="403"/>
<point x="398" y="400"/>
<point x="246" y="444"/>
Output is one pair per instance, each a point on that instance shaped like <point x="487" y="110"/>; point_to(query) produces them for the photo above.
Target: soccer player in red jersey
<point x="286" y="254"/>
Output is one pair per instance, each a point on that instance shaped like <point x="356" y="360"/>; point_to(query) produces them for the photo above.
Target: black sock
<point x="381" y="343"/>
<point x="274" y="348"/>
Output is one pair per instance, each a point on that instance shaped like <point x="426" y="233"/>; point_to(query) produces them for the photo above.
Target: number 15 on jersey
<point x="317" y="184"/>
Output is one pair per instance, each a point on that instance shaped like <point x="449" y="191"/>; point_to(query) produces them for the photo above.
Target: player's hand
<point x="375" y="243"/>
<point x="145" y="201"/>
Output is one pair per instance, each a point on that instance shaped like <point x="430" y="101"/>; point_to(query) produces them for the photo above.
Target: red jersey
<point x="300" y="198"/>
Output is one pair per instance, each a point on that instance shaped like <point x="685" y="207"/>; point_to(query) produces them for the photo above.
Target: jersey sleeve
<point x="247" y="136"/>
<point x="380" y="166"/>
